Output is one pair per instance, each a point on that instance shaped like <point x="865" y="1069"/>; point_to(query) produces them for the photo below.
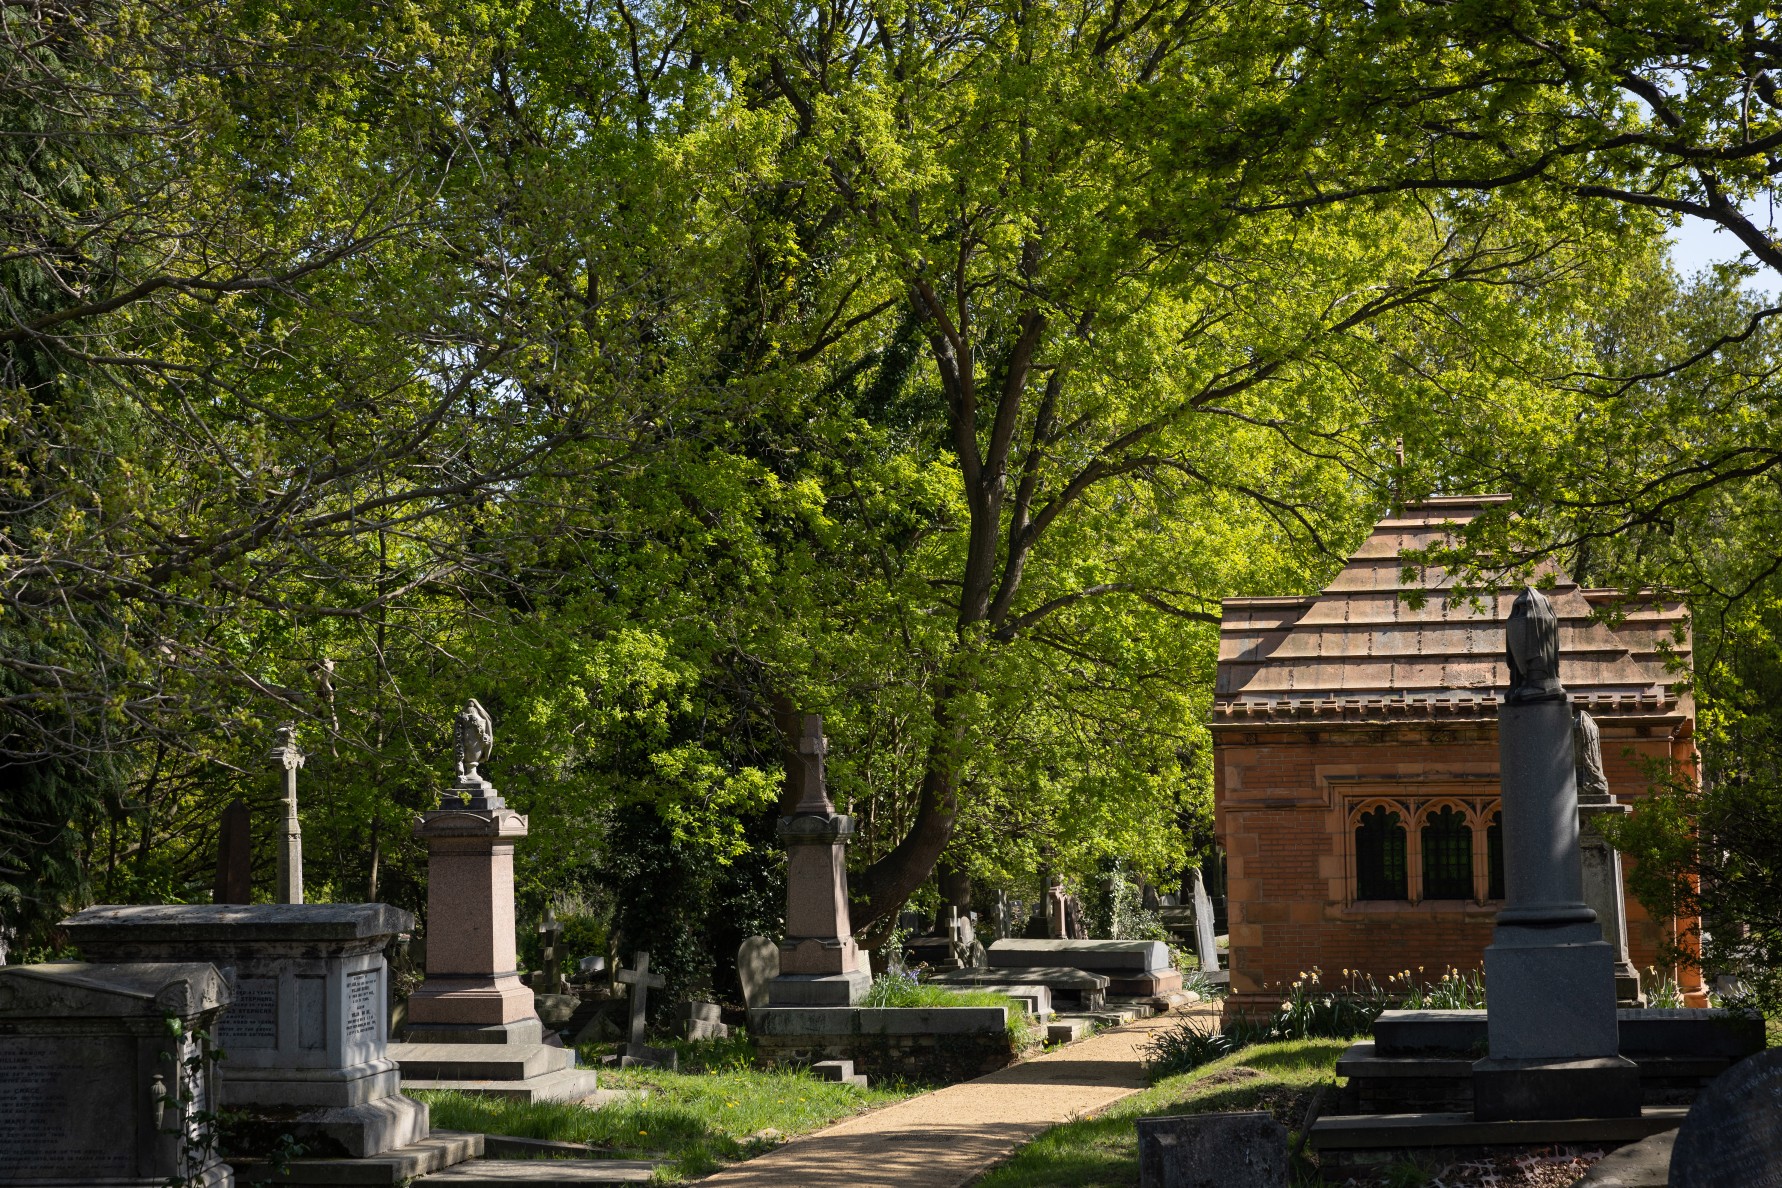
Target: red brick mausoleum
<point x="1355" y="763"/>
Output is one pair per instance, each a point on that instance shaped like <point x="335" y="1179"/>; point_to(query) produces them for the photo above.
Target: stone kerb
<point x="306" y="1035"/>
<point x="920" y="1043"/>
<point x="88" y="1073"/>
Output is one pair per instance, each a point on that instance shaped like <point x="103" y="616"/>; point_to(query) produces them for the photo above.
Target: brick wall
<point x="1285" y="804"/>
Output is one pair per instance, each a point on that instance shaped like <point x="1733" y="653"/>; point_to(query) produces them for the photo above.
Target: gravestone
<point x="307" y="1029"/>
<point x="473" y="1026"/>
<point x="1057" y="903"/>
<point x="94" y="1084"/>
<point x="1732" y="1137"/>
<point x="1550" y="1018"/>
<point x="235" y="855"/>
<point x="1212" y="1151"/>
<point x="550" y="935"/>
<point x="287" y="760"/>
<point x="702" y="1021"/>
<point x="1206" y="936"/>
<point x="821" y="964"/>
<point x="757" y="965"/>
<point x="636" y="1052"/>
<point x="1603" y="885"/>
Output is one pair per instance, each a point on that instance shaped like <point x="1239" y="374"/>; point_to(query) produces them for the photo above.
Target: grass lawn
<point x="1103" y="1151"/>
<point x="717" y="1112"/>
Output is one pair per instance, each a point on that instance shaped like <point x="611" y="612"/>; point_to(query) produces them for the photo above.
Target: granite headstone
<point x="1732" y="1137"/>
<point x="1212" y="1151"/>
<point x="757" y="964"/>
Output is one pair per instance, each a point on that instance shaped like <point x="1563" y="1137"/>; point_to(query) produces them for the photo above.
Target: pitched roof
<point x="1359" y="652"/>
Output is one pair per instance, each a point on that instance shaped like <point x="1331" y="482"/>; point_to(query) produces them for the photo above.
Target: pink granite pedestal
<point x="471" y="976"/>
<point x="472" y="1025"/>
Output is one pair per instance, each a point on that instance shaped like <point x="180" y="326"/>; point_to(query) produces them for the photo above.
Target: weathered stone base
<point x="934" y="1044"/>
<point x="842" y="989"/>
<point x="437" y="1152"/>
<point x="1349" y="1145"/>
<point x="348" y="1132"/>
<point x="525" y="1071"/>
<point x="1537" y="1090"/>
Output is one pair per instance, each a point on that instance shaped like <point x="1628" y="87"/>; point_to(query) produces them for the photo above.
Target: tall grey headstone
<point x="95" y="1085"/>
<point x="1550" y="1021"/>
<point x="1206" y="936"/>
<point x="757" y="965"/>
<point x="1212" y="1151"/>
<point x="1732" y="1137"/>
<point x="287" y="761"/>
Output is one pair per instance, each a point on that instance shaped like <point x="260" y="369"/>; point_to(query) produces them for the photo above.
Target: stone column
<point x="1603" y="887"/>
<point x="288" y="760"/>
<point x="1549" y="975"/>
<point x="820" y="962"/>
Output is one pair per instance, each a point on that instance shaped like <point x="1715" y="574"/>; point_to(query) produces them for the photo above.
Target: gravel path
<point x="944" y="1138"/>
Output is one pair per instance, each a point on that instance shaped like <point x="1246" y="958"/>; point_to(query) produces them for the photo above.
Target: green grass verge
<point x="719" y="1112"/>
<point x="1102" y="1152"/>
<point x="1024" y="1030"/>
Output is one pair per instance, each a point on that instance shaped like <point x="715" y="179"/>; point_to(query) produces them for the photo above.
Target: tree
<point x="1149" y="382"/>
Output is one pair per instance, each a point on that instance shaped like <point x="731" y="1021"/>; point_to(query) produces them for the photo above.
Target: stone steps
<point x="567" y="1084"/>
<point x="479" y="1062"/>
<point x="544" y="1173"/>
<point x="434" y="1154"/>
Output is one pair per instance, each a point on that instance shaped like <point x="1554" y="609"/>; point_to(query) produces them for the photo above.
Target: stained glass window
<point x="1380" y="866"/>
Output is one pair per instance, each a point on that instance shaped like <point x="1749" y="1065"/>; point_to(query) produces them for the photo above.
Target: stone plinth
<point x="820" y="963"/>
<point x="472" y="980"/>
<point x="90" y="1074"/>
<point x="1550" y="1021"/>
<point x="305" y="1035"/>
<point x="473" y="1025"/>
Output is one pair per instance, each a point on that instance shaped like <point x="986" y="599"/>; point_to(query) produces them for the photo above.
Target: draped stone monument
<point x="1551" y="1023"/>
<point x="820" y="962"/>
<point x="1603" y="888"/>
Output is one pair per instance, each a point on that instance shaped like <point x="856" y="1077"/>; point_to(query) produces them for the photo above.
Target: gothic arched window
<point x="1494" y="849"/>
<point x="1447" y="856"/>
<point x="1380" y="867"/>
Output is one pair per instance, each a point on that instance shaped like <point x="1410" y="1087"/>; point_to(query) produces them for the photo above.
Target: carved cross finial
<point x="284" y="750"/>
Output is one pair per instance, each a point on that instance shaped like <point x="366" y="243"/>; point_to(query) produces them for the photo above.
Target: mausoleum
<point x="1356" y="761"/>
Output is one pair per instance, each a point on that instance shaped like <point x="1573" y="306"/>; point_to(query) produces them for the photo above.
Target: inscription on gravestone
<point x="362" y="999"/>
<point x="1732" y="1137"/>
<point x="43" y="1131"/>
<point x="252" y="1018"/>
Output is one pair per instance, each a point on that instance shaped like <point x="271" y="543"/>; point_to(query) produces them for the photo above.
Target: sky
<point x="1697" y="243"/>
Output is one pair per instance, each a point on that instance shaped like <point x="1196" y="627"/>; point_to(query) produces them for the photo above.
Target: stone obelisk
<point x="820" y="962"/>
<point x="287" y="761"/>
<point x="1549" y="975"/>
<point x="1602" y="862"/>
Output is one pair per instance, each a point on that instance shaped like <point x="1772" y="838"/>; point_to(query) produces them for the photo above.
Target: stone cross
<point x="1057" y="926"/>
<point x="234" y="856"/>
<point x="641" y="981"/>
<point x="550" y="933"/>
<point x="287" y="761"/>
